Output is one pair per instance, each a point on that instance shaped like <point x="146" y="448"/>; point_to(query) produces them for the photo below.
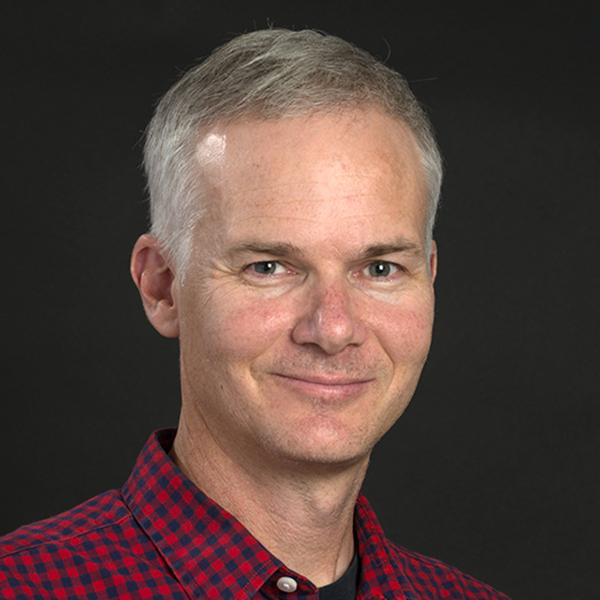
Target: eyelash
<point x="387" y="264"/>
<point x="392" y="265"/>
<point x="263" y="262"/>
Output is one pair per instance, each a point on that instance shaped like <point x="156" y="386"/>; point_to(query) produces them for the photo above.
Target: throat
<point x="306" y="522"/>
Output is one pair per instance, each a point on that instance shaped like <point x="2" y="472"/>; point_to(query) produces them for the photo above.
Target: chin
<point x="324" y="441"/>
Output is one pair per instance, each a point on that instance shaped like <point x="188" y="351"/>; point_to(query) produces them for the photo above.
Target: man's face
<point x="306" y="312"/>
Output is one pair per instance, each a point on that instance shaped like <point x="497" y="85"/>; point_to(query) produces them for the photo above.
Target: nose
<point x="330" y="321"/>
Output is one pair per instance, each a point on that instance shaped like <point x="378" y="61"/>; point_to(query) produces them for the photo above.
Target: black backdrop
<point x="494" y="466"/>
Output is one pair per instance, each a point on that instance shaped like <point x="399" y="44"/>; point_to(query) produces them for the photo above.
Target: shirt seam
<point x="63" y="539"/>
<point x="435" y="562"/>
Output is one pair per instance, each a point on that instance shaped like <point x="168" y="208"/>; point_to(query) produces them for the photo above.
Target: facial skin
<point x="305" y="313"/>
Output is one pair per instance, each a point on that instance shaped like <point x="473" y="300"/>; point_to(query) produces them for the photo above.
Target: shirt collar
<point x="211" y="553"/>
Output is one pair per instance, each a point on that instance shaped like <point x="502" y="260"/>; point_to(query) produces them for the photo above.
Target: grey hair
<point x="266" y="74"/>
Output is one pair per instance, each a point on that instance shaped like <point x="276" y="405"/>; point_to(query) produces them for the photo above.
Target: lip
<point x="328" y="387"/>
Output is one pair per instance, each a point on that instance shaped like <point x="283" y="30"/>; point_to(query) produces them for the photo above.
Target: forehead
<point x="357" y="169"/>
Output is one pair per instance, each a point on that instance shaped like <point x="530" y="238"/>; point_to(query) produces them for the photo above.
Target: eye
<point x="381" y="269"/>
<point x="266" y="268"/>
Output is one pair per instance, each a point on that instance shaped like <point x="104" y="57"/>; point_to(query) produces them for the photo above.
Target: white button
<point x="287" y="584"/>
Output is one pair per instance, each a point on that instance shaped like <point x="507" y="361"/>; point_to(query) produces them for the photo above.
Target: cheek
<point x="405" y="330"/>
<point x="234" y="328"/>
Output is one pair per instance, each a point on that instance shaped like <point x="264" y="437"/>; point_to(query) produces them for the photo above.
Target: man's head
<point x="302" y="293"/>
<point x="265" y="74"/>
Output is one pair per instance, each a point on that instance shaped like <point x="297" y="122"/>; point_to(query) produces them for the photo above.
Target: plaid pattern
<point x="161" y="537"/>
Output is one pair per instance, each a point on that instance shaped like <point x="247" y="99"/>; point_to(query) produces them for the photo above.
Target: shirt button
<point x="287" y="584"/>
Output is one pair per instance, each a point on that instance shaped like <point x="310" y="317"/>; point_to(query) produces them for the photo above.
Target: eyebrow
<point x="275" y="248"/>
<point x="287" y="249"/>
<point x="400" y="245"/>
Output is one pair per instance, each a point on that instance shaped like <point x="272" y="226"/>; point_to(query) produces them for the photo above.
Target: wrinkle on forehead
<point x="303" y="169"/>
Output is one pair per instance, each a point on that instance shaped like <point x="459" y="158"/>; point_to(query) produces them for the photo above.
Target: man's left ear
<point x="155" y="281"/>
<point x="433" y="260"/>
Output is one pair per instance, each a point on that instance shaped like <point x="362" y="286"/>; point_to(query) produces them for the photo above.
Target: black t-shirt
<point x="345" y="587"/>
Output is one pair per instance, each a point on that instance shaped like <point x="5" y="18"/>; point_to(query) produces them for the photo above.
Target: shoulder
<point x="67" y="551"/>
<point x="428" y="574"/>
<point x="96" y="549"/>
<point x="106" y="509"/>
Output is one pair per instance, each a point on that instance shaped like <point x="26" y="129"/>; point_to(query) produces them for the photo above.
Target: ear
<point x="155" y="280"/>
<point x="433" y="260"/>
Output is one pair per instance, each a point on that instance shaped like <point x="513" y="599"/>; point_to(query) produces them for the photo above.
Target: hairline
<point x="265" y="66"/>
<point x="209" y="126"/>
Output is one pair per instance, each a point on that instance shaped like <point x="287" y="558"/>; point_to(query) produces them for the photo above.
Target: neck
<point x="303" y="514"/>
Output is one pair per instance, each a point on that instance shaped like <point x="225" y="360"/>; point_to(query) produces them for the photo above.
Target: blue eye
<point x="265" y="267"/>
<point x="381" y="269"/>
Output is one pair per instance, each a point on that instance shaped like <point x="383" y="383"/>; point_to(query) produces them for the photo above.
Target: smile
<point x="325" y="387"/>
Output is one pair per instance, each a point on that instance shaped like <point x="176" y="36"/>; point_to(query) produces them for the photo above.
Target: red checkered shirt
<point x="161" y="537"/>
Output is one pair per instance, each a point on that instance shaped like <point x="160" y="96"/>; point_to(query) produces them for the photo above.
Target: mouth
<point x="324" y="386"/>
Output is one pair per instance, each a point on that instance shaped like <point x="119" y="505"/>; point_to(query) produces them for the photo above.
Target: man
<point x="293" y="183"/>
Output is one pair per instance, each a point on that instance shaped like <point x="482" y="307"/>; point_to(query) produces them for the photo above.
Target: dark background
<point x="494" y="466"/>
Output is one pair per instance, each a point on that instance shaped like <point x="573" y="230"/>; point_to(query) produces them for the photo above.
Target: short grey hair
<point x="266" y="74"/>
